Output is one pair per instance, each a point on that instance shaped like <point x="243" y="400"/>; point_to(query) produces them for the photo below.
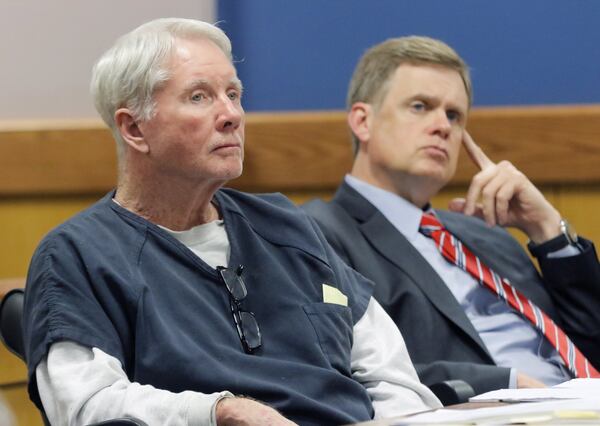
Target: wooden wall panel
<point x="24" y="412"/>
<point x="51" y="170"/>
<point x="25" y="220"/>
<point x="549" y="144"/>
<point x="12" y="369"/>
<point x="295" y="151"/>
<point x="55" y="157"/>
<point x="581" y="205"/>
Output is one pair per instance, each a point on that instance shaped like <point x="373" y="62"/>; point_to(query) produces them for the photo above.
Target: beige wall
<point x="47" y="49"/>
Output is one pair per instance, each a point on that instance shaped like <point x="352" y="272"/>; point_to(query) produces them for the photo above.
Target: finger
<point x="503" y="196"/>
<point x="477" y="184"/>
<point x="475" y="152"/>
<point x="478" y="212"/>
<point x="490" y="193"/>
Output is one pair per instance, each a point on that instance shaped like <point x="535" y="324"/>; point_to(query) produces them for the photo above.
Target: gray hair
<point x="371" y="77"/>
<point x="128" y="74"/>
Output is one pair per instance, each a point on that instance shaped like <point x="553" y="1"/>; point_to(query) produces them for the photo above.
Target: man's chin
<point x="438" y="175"/>
<point x="233" y="173"/>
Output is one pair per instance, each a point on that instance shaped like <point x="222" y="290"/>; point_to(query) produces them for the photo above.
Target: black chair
<point x="452" y="392"/>
<point x="11" y="322"/>
<point x="11" y="332"/>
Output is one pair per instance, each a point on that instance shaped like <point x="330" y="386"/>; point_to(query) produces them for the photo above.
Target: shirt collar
<point x="402" y="214"/>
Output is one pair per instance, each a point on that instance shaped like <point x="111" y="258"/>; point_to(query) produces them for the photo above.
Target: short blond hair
<point x="376" y="67"/>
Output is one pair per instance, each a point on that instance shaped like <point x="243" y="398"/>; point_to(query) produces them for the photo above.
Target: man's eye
<point x="233" y="95"/>
<point x="453" y="115"/>
<point x="418" y="106"/>
<point x="197" y="97"/>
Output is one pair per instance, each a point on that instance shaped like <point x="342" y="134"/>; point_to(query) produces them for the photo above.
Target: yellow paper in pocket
<point x="333" y="295"/>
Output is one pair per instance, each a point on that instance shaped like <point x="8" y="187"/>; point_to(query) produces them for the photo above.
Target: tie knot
<point x="429" y="223"/>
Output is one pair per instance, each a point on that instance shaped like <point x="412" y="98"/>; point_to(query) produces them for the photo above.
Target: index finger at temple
<point x="475" y="152"/>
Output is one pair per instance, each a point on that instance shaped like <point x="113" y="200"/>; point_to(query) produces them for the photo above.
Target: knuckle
<point x="502" y="198"/>
<point x="477" y="179"/>
<point x="488" y="192"/>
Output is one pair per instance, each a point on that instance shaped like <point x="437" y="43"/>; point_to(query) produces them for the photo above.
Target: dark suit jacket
<point x="441" y="340"/>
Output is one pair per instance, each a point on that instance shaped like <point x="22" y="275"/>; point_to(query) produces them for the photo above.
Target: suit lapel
<point x="391" y="244"/>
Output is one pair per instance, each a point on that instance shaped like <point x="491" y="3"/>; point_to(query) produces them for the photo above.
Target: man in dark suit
<point x="408" y="104"/>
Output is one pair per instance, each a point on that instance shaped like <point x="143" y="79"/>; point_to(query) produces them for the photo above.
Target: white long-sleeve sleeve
<point x="79" y="385"/>
<point x="380" y="361"/>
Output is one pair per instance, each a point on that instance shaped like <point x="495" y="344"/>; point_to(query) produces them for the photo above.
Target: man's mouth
<point x="435" y="150"/>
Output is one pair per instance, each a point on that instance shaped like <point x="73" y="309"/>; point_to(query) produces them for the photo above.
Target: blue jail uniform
<point x="110" y="279"/>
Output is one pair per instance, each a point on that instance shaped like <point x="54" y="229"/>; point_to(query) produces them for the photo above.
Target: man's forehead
<point x="429" y="79"/>
<point x="198" y="55"/>
<point x="421" y="70"/>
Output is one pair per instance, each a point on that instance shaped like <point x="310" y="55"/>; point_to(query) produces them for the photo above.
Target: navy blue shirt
<point x="109" y="279"/>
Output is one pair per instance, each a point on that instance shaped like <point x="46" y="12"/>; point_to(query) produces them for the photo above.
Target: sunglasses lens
<point x="234" y="284"/>
<point x="250" y="329"/>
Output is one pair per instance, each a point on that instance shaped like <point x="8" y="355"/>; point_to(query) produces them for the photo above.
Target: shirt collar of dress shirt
<point x="403" y="215"/>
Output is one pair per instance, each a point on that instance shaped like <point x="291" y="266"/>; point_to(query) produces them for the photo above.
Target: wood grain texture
<point x="310" y="150"/>
<point x="23" y="411"/>
<point x="12" y="369"/>
<point x="56" y="158"/>
<point x="7" y="284"/>
<point x="549" y="144"/>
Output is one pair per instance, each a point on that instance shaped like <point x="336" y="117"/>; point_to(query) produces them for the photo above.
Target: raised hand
<point x="500" y="194"/>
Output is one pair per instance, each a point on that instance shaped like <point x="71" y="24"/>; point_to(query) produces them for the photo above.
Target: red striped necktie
<point x="455" y="252"/>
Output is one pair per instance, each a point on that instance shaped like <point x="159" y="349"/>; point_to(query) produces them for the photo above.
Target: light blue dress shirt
<point x="512" y="340"/>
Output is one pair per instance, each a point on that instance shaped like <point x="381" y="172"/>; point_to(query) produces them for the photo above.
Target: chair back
<point x="11" y="332"/>
<point x="11" y="322"/>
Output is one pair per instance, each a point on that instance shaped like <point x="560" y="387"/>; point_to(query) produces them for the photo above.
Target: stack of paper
<point x="565" y="412"/>
<point x="576" y="402"/>
<point x="573" y="389"/>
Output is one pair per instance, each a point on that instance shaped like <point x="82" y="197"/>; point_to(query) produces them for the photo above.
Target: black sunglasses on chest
<point x="245" y="322"/>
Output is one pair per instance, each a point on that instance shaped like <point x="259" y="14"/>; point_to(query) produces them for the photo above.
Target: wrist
<point x="546" y="229"/>
<point x="565" y="238"/>
<point x="226" y="410"/>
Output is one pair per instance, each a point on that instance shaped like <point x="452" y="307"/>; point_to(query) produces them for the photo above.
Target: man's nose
<point x="442" y="125"/>
<point x="229" y="115"/>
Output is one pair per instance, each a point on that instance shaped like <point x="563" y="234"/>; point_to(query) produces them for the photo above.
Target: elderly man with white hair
<point x="175" y="301"/>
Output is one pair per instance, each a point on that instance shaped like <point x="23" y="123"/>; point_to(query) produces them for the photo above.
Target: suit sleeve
<point x="574" y="285"/>
<point x="481" y="377"/>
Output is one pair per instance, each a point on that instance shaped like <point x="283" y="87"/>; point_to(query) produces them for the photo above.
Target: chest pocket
<point x="333" y="326"/>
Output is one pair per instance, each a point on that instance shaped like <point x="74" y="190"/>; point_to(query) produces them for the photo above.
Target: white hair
<point x="128" y="74"/>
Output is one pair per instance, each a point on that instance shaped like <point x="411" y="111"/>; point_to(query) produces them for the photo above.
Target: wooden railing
<point x="306" y="151"/>
<point x="51" y="170"/>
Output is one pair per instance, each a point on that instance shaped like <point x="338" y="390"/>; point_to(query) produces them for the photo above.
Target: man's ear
<point x="130" y="131"/>
<point x="359" y="120"/>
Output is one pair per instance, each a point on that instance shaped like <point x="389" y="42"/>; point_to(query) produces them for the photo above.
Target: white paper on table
<point x="584" y="410"/>
<point x="580" y="384"/>
<point x="572" y="389"/>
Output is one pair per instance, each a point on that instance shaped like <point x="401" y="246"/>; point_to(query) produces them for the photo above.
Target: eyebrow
<point x="203" y="83"/>
<point x="237" y="83"/>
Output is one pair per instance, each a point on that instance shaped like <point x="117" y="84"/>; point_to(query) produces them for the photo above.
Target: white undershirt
<point x="81" y="385"/>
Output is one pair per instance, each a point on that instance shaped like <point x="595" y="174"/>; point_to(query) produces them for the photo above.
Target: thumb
<point x="457" y="205"/>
